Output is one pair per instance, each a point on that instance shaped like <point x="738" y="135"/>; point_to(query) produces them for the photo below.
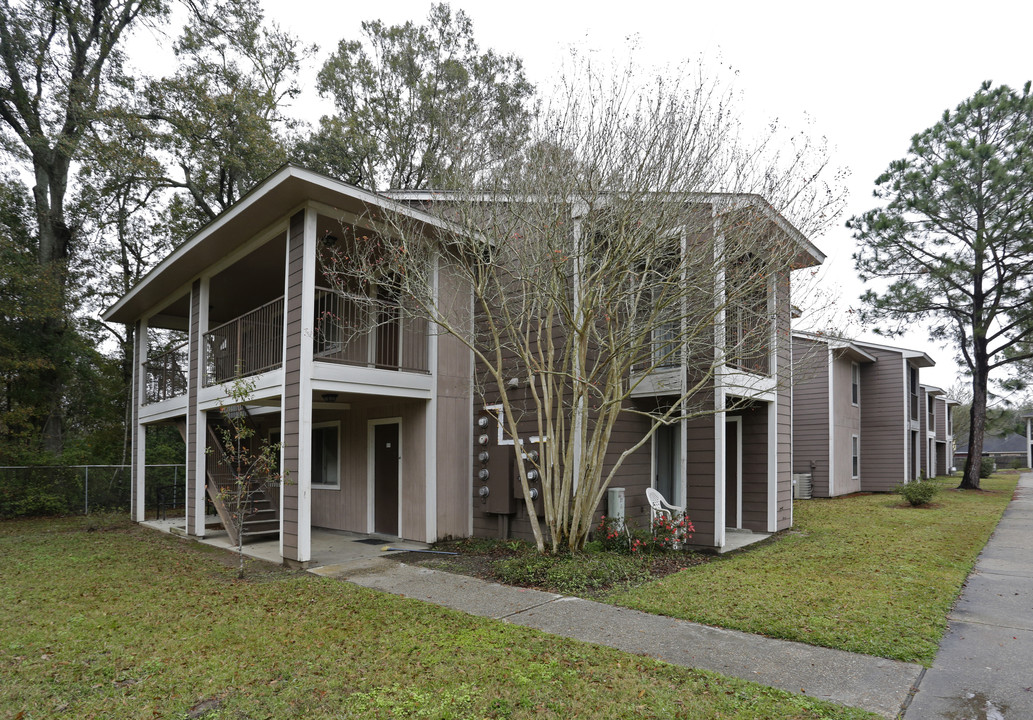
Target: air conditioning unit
<point x="802" y="486"/>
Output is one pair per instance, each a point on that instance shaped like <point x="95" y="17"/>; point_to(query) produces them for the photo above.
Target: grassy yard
<point x="102" y="619"/>
<point x="868" y="574"/>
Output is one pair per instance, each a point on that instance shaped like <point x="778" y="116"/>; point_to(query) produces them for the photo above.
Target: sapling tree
<point x="633" y="240"/>
<point x="243" y="464"/>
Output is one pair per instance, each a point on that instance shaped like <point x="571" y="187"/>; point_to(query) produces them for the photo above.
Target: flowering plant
<point x="669" y="532"/>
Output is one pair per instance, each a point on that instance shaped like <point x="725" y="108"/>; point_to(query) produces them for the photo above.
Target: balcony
<point x="247" y="345"/>
<point x="166" y="375"/>
<point x="375" y="332"/>
<point x="749" y="340"/>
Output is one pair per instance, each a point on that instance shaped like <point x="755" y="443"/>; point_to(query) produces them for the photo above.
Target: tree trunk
<point x="977" y="426"/>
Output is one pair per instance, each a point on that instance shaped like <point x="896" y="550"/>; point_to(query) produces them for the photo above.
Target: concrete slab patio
<point x="984" y="667"/>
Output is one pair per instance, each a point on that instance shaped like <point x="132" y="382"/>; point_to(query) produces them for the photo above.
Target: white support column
<point x="431" y="424"/>
<point x="1029" y="442"/>
<point x="720" y="441"/>
<point x="200" y="419"/>
<point x="139" y="429"/>
<point x="308" y="306"/>
<point x="773" y="465"/>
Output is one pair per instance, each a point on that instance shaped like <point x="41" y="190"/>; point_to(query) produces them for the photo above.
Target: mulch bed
<point x="476" y="557"/>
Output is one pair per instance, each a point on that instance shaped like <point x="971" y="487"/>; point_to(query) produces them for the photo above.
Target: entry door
<point x="666" y="461"/>
<point x="385" y="478"/>
<point x="733" y="501"/>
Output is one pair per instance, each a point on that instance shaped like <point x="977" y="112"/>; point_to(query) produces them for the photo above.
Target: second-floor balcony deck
<point x="347" y="330"/>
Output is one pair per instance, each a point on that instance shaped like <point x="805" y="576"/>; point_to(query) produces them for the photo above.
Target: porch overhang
<point x="269" y="202"/>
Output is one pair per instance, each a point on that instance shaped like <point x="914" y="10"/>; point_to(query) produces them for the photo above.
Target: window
<point x="855" y="457"/>
<point x="855" y="383"/>
<point x="913" y="383"/>
<point x="325" y="447"/>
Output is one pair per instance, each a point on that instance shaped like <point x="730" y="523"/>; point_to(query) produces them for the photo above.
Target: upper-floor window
<point x="748" y="319"/>
<point x="913" y="387"/>
<point x="855" y="383"/>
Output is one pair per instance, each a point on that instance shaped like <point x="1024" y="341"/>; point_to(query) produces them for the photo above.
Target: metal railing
<point x="247" y="345"/>
<point x="166" y="374"/>
<point x="749" y="340"/>
<point x="373" y="332"/>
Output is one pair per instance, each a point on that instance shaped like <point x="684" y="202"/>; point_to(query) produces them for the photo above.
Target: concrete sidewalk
<point x="984" y="667"/>
<point x="872" y="683"/>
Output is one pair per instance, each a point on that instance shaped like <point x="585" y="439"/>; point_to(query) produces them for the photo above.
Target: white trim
<point x="283" y="371"/>
<point x="855" y="451"/>
<point x="832" y="423"/>
<point x="319" y="426"/>
<point x="719" y="390"/>
<point x="371" y="473"/>
<point x="430" y="424"/>
<point x="308" y="311"/>
<point x="200" y="416"/>
<point x="907" y="424"/>
<point x="1029" y="444"/>
<point x="140" y="441"/>
<point x="772" y="466"/>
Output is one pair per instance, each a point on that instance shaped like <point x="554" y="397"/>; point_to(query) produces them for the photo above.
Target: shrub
<point x="611" y="535"/>
<point x="919" y="493"/>
<point x="572" y="574"/>
<point x="987" y="467"/>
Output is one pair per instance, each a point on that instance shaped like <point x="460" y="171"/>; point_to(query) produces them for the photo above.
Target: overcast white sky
<point x="867" y="76"/>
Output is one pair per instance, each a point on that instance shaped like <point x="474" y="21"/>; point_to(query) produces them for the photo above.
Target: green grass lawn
<point x="103" y="619"/>
<point x="869" y="574"/>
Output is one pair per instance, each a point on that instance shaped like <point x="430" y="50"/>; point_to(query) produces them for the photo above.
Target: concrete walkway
<point x="875" y="684"/>
<point x="984" y="667"/>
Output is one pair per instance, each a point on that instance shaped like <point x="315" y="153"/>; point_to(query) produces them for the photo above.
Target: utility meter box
<point x="615" y="505"/>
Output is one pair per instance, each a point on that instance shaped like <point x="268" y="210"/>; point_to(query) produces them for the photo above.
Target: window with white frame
<point x="855" y="383"/>
<point x="855" y="457"/>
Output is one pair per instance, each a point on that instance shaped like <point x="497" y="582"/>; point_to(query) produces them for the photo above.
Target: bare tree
<point x="637" y="241"/>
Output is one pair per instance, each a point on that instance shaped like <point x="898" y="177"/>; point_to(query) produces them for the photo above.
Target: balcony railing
<point x="373" y="332"/>
<point x="166" y="375"/>
<point x="247" y="345"/>
<point x="749" y="340"/>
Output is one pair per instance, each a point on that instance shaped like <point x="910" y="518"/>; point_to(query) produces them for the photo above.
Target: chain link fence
<point x="34" y="490"/>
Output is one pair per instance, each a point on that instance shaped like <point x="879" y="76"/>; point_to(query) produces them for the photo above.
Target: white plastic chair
<point x="657" y="505"/>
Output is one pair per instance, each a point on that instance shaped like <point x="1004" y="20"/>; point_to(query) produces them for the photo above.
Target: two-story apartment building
<point x="937" y="430"/>
<point x="860" y="415"/>
<point x="379" y="418"/>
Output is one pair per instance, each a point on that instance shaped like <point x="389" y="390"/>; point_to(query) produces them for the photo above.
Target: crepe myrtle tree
<point x="600" y="256"/>
<point x="245" y="465"/>
<point x="953" y="243"/>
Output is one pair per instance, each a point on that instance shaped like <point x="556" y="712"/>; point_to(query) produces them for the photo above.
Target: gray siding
<point x="784" y="411"/>
<point x="811" y="412"/>
<point x="883" y="451"/>
<point x="292" y="384"/>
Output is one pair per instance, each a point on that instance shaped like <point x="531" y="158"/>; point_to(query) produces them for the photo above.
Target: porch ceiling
<point x="269" y="202"/>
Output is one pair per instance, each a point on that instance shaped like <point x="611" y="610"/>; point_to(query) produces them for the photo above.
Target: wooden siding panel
<point x="811" y="412"/>
<point x="882" y="421"/>
<point x="292" y="383"/>
<point x="784" y="410"/>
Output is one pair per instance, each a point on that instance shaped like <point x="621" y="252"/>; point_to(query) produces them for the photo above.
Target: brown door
<point x="731" y="474"/>
<point x="385" y="479"/>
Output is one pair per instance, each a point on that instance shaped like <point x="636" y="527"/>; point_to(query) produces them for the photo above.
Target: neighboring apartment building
<point x="381" y="429"/>
<point x="859" y="419"/>
<point x="938" y="432"/>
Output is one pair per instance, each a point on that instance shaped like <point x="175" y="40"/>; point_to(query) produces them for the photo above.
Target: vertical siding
<point x="191" y="420"/>
<point x="883" y="452"/>
<point x="811" y="412"/>
<point x="754" y="466"/>
<point x="784" y="411"/>
<point x="292" y="384"/>
<point x="847" y="421"/>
